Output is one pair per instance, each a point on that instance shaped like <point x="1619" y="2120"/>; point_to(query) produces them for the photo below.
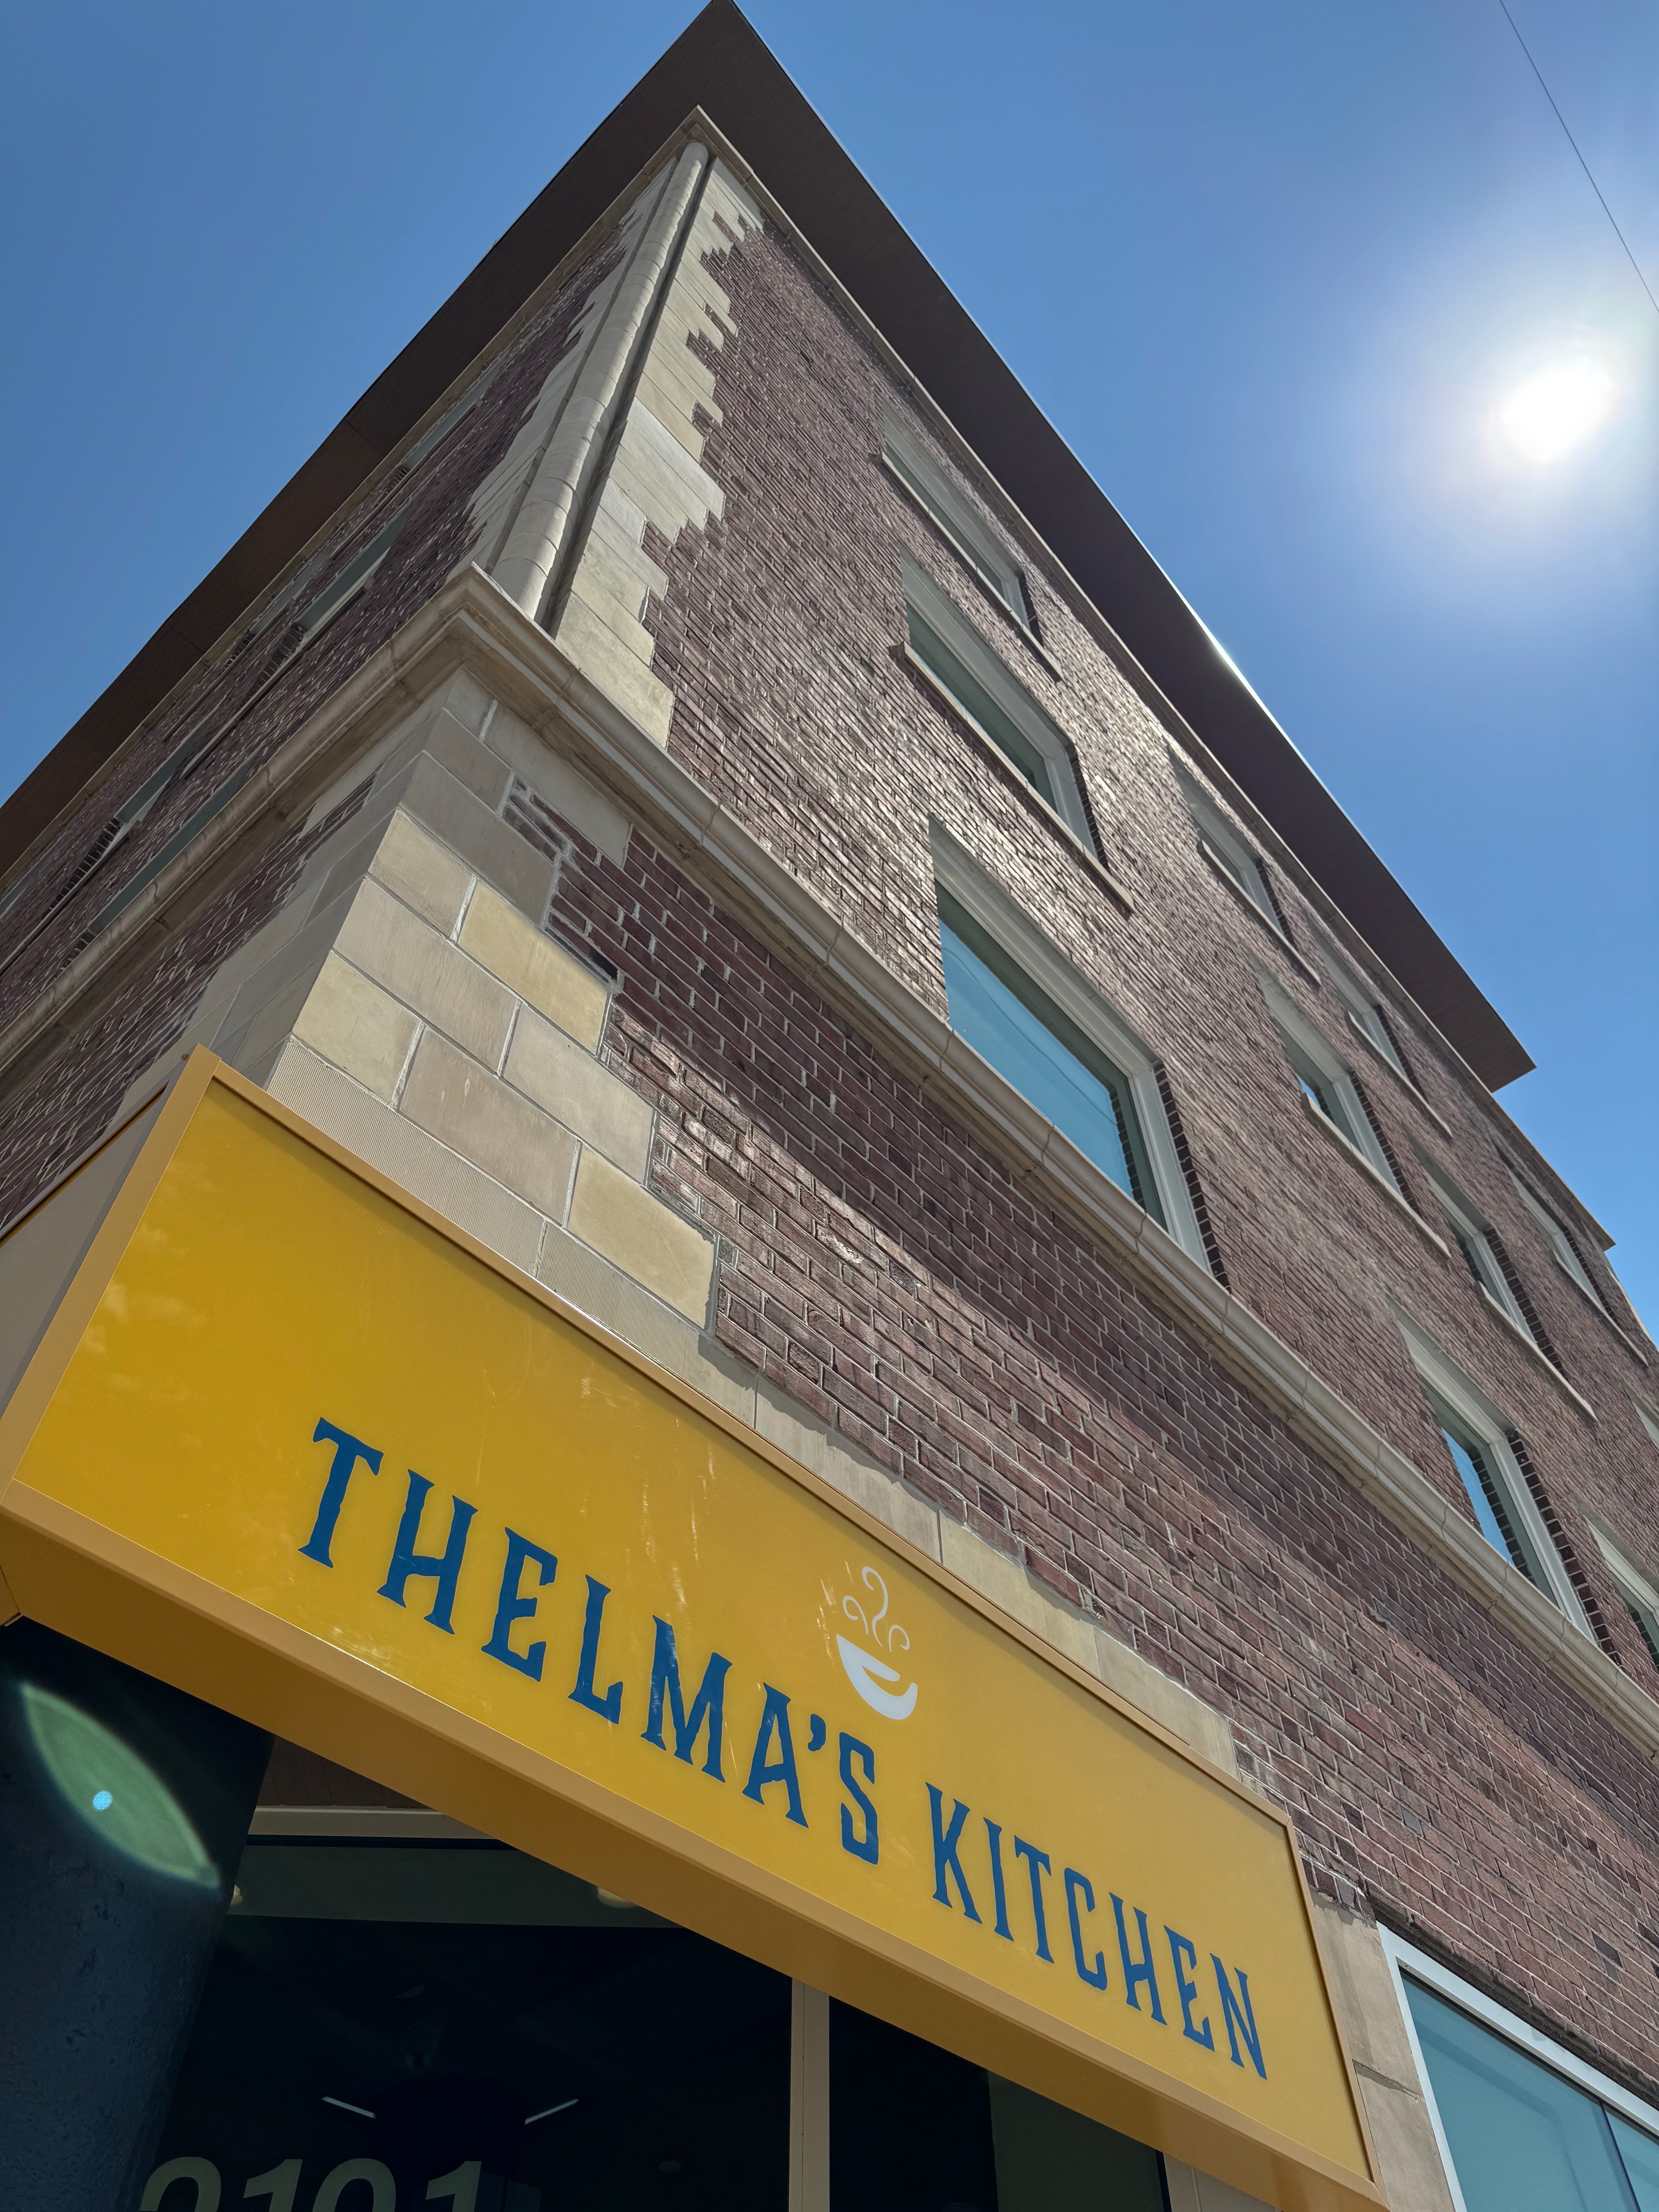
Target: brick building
<point x="695" y="789"/>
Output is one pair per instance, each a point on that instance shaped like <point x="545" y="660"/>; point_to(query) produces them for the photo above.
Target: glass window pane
<point x="1321" y="1091"/>
<point x="910" y="2124"/>
<point x="1521" y="2138"/>
<point x="421" y="2009"/>
<point x="1046" y="1057"/>
<point x="1492" y="1508"/>
<point x="1050" y="2159"/>
<point x="1640" y="2153"/>
<point x="912" y="2129"/>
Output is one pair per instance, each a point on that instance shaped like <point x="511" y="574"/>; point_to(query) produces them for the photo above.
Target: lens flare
<point x="1555" y="410"/>
<point x="98" y="1774"/>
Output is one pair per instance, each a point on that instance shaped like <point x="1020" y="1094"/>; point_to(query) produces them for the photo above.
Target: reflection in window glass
<point x="1492" y="1508"/>
<point x="914" y="2130"/>
<point x="391" y="2025"/>
<point x="1521" y="2138"/>
<point x="1320" y="1090"/>
<point x="1641" y="2156"/>
<point x="1047" y="1058"/>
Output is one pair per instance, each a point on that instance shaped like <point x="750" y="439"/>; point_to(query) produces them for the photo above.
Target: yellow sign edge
<point x="112" y="1580"/>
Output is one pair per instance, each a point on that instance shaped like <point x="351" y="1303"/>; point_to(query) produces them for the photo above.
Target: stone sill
<point x="1330" y="1129"/>
<point x="1033" y="799"/>
<point x="1542" y="1357"/>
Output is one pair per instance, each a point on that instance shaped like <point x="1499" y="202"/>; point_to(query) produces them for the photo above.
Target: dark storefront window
<point x="387" y="2027"/>
<point x="914" y="2130"/>
<point x="390" y="2026"/>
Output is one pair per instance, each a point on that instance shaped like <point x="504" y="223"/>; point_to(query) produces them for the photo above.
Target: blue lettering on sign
<point x="773" y="1761"/>
<point x="775" y="1722"/>
<point x="1236" y="2016"/>
<point x="946" y="1843"/>
<point x="1037" y="1864"/>
<point x="1078" y="1885"/>
<point x="1187" y="1990"/>
<point x="999" y="1893"/>
<point x="347" y="1450"/>
<point x="512" y="1605"/>
<point x="608" y="1707"/>
<point x="868" y="1845"/>
<point x="709" y="1702"/>
<point x="442" y="1567"/>
<point x="1136" y="1971"/>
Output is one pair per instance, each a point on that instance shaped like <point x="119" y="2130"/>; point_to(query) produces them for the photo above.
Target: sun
<point x="1549" y="413"/>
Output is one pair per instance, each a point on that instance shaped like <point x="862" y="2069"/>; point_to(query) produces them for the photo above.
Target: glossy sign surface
<point x="388" y="1478"/>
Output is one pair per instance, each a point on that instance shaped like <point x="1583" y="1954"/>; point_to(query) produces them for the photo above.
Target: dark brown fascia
<point x="720" y="65"/>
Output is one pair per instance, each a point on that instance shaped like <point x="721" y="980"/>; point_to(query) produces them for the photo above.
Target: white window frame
<point x="954" y="870"/>
<point x="957" y="518"/>
<point x="1639" y="1594"/>
<point x="1365" y="1010"/>
<point x="1469" y="1406"/>
<point x="1225" y="849"/>
<point x="1647" y="1418"/>
<point x="1560" y="1245"/>
<point x="1405" y="1958"/>
<point x="1298" y="1035"/>
<point x="1466" y="1223"/>
<point x="940" y="614"/>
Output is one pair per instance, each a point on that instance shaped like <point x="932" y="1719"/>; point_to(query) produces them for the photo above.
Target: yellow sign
<point x="297" y="1445"/>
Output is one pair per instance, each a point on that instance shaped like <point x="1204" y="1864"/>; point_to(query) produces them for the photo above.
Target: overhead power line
<point x="1582" y="163"/>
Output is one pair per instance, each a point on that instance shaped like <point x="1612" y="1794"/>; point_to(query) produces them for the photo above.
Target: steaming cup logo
<point x="865" y="1670"/>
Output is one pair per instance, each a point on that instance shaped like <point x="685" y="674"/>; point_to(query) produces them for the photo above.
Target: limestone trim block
<point x="450" y="1186"/>
<point x="352" y="1023"/>
<point x="562" y="1080"/>
<point x="396" y="949"/>
<point x="644" y="1237"/>
<point x="593" y="813"/>
<point x="1367" y="2009"/>
<point x="536" y="969"/>
<point x="655" y="474"/>
<point x="416" y="869"/>
<point x="465" y="1107"/>
<point x="496" y="502"/>
<point x="557" y="489"/>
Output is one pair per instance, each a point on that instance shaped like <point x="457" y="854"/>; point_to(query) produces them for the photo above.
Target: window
<point x="1566" y="1251"/>
<point x="1223" y="847"/>
<point x="1025" y="1011"/>
<point x="959" y="521"/>
<point x="1474" y="1241"/>
<point x="1640" y="1598"/>
<point x="1477" y="1438"/>
<point x="1326" y="1084"/>
<point x="1365" y="1014"/>
<point x="1047" y="1058"/>
<point x="1522" y="2125"/>
<point x="962" y="665"/>
<point x="1647" y="1418"/>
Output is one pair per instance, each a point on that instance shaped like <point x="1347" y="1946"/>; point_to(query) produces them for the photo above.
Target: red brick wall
<point x="783" y="634"/>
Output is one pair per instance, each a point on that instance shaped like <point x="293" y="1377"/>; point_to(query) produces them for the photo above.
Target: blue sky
<point x="1274" y="272"/>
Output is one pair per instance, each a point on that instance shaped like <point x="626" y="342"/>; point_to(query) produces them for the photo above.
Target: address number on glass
<point x="355" y="2185"/>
